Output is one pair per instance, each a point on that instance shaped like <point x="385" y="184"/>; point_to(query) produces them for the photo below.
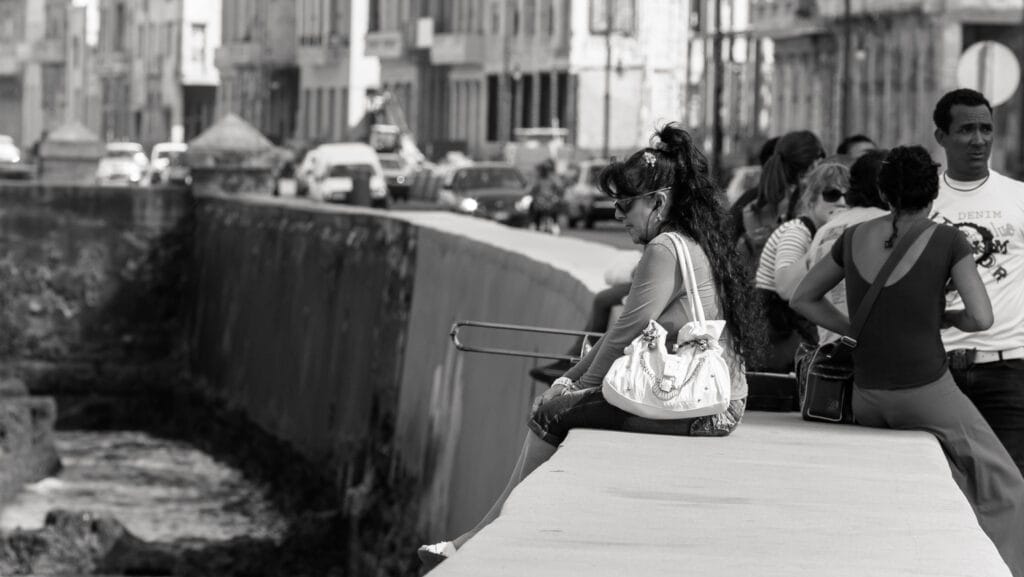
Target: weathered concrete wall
<point x="328" y="326"/>
<point x="92" y="280"/>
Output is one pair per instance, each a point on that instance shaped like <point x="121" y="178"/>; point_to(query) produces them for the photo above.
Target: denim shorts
<point x="587" y="409"/>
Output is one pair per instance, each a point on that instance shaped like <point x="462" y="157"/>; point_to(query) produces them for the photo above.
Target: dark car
<point x="493" y="190"/>
<point x="397" y="175"/>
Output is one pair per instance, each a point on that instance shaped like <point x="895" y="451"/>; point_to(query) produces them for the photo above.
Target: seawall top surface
<point x="780" y="497"/>
<point x="586" y="261"/>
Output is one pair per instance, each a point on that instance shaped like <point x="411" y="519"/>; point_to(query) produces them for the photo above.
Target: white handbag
<point x="691" y="381"/>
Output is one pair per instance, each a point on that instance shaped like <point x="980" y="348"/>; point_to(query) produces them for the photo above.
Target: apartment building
<point x="33" y="96"/>
<point x="259" y="74"/>
<point x="156" y="68"/>
<point x="113" y="68"/>
<point x="83" y="97"/>
<point x="335" y="73"/>
<point x="903" y="56"/>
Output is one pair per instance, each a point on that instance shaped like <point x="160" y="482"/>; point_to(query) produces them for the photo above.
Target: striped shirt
<point x="787" y="245"/>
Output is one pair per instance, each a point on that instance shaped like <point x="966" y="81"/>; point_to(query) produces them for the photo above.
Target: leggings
<point x="980" y="464"/>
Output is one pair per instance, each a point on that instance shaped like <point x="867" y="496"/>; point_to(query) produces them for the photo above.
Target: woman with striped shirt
<point x="782" y="261"/>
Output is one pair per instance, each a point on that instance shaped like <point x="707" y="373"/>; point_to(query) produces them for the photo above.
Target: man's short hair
<point x="943" y="115"/>
<point x="849" y="141"/>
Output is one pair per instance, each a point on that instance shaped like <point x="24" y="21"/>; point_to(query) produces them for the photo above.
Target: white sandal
<point x="432" y="555"/>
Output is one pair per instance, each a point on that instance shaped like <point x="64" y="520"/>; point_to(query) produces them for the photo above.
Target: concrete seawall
<point x="328" y="327"/>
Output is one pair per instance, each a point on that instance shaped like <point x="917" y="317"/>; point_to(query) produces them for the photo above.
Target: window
<point x="374" y="25"/>
<point x="529" y="16"/>
<point x="197" y="45"/>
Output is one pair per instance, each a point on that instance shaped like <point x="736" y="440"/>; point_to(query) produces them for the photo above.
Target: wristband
<point x="565" y="382"/>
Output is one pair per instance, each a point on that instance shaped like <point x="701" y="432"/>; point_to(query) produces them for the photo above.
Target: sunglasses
<point x="832" y="195"/>
<point x="624" y="205"/>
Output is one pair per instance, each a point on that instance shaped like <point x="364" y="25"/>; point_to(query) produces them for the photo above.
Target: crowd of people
<point x="942" y="350"/>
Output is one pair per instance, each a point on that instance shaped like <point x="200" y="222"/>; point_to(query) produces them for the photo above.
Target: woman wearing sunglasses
<point x="661" y="190"/>
<point x="782" y="262"/>
<point x="863" y="203"/>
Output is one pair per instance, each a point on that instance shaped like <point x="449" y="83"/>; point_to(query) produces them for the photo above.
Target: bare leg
<point x="535" y="452"/>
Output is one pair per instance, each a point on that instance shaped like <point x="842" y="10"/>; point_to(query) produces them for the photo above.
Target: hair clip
<point x="650" y="159"/>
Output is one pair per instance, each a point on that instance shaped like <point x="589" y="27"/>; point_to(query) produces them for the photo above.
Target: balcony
<point x="457" y="49"/>
<point x="12" y="58"/>
<point x="329" y="51"/>
<point x="109" y="64"/>
<point x="49" y="50"/>
<point x="238" y="54"/>
<point x="786" y="18"/>
<point x="385" y="44"/>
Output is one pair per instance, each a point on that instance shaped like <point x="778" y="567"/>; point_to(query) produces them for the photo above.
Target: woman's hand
<point x="561" y="386"/>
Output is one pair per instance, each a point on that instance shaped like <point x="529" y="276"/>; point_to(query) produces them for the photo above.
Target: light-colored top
<point x="992" y="214"/>
<point x="787" y="245"/>
<point x="821" y="246"/>
<point x="659" y="292"/>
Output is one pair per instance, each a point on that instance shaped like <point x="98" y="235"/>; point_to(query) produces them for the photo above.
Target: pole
<point x="844" y="101"/>
<point x="716" y="101"/>
<point x="608" y="7"/>
<point x="505" y="88"/>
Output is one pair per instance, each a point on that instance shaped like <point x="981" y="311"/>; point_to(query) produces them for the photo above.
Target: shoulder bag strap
<point x="902" y="246"/>
<point x="689" y="278"/>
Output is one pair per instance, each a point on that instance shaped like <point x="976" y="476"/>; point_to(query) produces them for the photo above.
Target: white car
<point x="118" y="171"/>
<point x="131" y="151"/>
<point x="166" y="166"/>
<point x="336" y="169"/>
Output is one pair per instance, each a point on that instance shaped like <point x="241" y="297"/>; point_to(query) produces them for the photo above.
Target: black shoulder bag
<point x="826" y="375"/>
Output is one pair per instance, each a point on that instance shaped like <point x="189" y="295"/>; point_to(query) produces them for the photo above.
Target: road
<point x="607" y="232"/>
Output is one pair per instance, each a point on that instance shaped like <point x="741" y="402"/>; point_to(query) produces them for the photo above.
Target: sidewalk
<point x="780" y="497"/>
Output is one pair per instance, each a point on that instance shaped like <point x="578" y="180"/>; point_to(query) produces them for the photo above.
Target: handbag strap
<point x="689" y="278"/>
<point x="902" y="246"/>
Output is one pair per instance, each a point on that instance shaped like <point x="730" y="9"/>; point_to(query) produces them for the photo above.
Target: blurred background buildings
<point x="467" y="74"/>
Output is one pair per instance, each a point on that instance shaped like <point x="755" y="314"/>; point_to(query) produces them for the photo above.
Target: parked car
<point x="397" y="174"/>
<point x="584" y="202"/>
<point x="337" y="168"/>
<point x="166" y="166"/>
<point x="11" y="163"/>
<point x="130" y="150"/>
<point x="118" y="170"/>
<point x="493" y="190"/>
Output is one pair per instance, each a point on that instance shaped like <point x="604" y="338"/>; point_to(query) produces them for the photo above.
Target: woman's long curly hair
<point x="697" y="211"/>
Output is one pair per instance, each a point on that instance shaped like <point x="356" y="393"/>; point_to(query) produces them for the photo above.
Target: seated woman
<point x="782" y="262"/>
<point x="658" y="192"/>
<point x="901" y="376"/>
<point x="862" y="204"/>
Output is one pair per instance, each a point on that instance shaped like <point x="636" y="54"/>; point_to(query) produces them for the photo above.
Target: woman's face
<point x="639" y="215"/>
<point x="827" y="203"/>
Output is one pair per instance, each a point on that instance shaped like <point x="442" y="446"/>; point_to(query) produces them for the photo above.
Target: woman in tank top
<point x="901" y="377"/>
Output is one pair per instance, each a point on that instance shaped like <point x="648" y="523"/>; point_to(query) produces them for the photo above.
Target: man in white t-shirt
<point x="989" y="208"/>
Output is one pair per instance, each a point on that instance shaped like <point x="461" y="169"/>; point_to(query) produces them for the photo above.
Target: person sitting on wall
<point x="901" y="374"/>
<point x="782" y="266"/>
<point x="777" y="194"/>
<point x="659" y="191"/>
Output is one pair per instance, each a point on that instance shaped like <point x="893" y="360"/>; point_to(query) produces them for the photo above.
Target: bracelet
<point x="565" y="382"/>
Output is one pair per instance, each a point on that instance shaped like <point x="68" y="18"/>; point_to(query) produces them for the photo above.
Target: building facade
<point x="481" y="69"/>
<point x="33" y="51"/>
<point x="903" y="56"/>
<point x="113" y="68"/>
<point x="335" y="73"/>
<point x="259" y="75"/>
<point x="155" y="62"/>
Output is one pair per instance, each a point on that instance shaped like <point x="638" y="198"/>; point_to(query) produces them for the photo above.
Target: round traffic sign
<point x="990" y="68"/>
